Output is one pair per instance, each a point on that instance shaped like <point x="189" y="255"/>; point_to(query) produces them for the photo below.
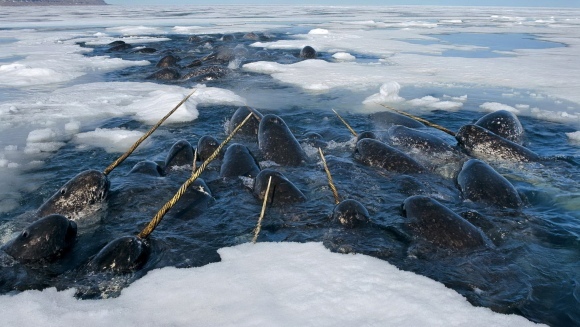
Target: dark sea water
<point x="532" y="267"/>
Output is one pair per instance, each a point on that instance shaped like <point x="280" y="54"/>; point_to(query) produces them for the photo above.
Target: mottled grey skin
<point x="180" y="154"/>
<point x="479" y="182"/>
<point x="228" y="37"/>
<point x="483" y="144"/>
<point x="45" y="239"/>
<point x="147" y="167"/>
<point x="116" y="43"/>
<point x="145" y="50"/>
<point x="251" y="127"/>
<point x="206" y="146"/>
<point x="350" y="213"/>
<point x="314" y="139"/>
<point x="81" y="196"/>
<point x="308" y="52"/>
<point x="366" y="135"/>
<point x="503" y="123"/>
<point x="239" y="161"/>
<point x="251" y="36"/>
<point x="166" y="74"/>
<point x="377" y="154"/>
<point x="205" y="73"/>
<point x="282" y="191"/>
<point x="167" y="61"/>
<point x="195" y="199"/>
<point x="120" y="47"/>
<point x="386" y="119"/>
<point x="123" y="255"/>
<point x="430" y="150"/>
<point x="409" y="138"/>
<point x="440" y="226"/>
<point x="277" y="142"/>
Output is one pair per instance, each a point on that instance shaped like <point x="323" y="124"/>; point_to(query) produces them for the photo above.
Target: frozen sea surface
<point x="68" y="103"/>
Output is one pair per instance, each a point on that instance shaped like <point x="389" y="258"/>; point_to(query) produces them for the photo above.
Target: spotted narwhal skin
<point x="375" y="153"/>
<point x="122" y="255"/>
<point x="481" y="183"/>
<point x="239" y="161"/>
<point x="45" y="239"/>
<point x="180" y="154"/>
<point x="350" y="213"/>
<point x="282" y="190"/>
<point x="503" y="123"/>
<point x="277" y="142"/>
<point x="440" y="226"/>
<point x="486" y="145"/>
<point x="83" y="195"/>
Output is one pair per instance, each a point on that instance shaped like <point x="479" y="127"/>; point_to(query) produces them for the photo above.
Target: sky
<point x="507" y="3"/>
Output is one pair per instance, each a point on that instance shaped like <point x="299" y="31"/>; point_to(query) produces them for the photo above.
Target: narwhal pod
<point x="45" y="239"/>
<point x="78" y="198"/>
<point x="251" y="127"/>
<point x="239" y="161"/>
<point x="180" y="154"/>
<point x="440" y="226"/>
<point x="122" y="255"/>
<point x="503" y="123"/>
<point x="350" y="213"/>
<point x="481" y="183"/>
<point x="378" y="154"/>
<point x="282" y="191"/>
<point x="484" y="144"/>
<point x="277" y="143"/>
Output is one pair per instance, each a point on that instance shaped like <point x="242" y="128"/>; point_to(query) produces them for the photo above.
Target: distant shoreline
<point x="31" y="3"/>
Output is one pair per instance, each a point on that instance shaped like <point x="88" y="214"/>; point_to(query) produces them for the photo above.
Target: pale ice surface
<point x="110" y="139"/>
<point x="574" y="136"/>
<point x="388" y="92"/>
<point x="343" y="56"/>
<point x="264" y="284"/>
<point x="495" y="106"/>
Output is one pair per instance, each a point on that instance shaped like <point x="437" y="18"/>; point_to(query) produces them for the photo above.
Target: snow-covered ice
<point x="264" y="284"/>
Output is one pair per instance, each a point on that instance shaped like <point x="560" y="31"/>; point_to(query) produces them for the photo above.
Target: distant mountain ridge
<point x="52" y="2"/>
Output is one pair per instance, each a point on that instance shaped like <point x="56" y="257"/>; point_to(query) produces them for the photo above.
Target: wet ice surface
<point x="69" y="104"/>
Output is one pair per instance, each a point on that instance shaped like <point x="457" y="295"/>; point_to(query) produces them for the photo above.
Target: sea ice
<point x="264" y="284"/>
<point x="111" y="140"/>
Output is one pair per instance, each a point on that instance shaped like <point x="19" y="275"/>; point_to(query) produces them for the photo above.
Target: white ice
<point x="264" y="284"/>
<point x="388" y="92"/>
<point x="110" y="139"/>
<point x="495" y="106"/>
<point x="343" y="56"/>
<point x="574" y="136"/>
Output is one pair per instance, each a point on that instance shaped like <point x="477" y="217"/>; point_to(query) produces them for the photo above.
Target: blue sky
<point x="509" y="3"/>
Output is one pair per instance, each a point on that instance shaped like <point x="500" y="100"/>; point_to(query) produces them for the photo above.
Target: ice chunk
<point x="388" y="92"/>
<point x="303" y="285"/>
<point x="574" y="137"/>
<point x="343" y="56"/>
<point x="112" y="140"/>
<point x="319" y="31"/>
<point x="495" y="106"/>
